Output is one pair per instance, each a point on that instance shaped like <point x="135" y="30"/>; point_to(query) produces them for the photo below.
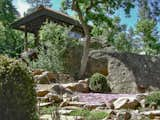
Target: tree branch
<point x="90" y="6"/>
<point x="75" y="7"/>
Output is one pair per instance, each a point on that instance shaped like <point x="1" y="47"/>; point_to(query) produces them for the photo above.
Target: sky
<point x="22" y="7"/>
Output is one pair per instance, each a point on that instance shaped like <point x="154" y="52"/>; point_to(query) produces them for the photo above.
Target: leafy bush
<point x="55" y="45"/>
<point x="11" y="41"/>
<point x="98" y="83"/>
<point x="153" y="98"/>
<point x="17" y="93"/>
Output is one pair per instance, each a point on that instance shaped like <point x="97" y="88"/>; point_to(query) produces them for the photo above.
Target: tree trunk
<point x="84" y="59"/>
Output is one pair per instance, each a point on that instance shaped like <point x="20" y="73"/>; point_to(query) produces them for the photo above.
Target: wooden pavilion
<point x="32" y="23"/>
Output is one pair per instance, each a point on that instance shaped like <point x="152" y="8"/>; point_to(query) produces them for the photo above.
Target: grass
<point x="89" y="115"/>
<point x="47" y="110"/>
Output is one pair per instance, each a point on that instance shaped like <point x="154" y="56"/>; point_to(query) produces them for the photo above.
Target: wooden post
<point x="36" y="43"/>
<point x="26" y="40"/>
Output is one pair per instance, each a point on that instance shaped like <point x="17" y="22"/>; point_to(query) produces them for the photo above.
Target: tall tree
<point x="10" y="39"/>
<point x="149" y="9"/>
<point x="114" y="35"/>
<point x="95" y="12"/>
<point x="146" y="28"/>
<point x="8" y="12"/>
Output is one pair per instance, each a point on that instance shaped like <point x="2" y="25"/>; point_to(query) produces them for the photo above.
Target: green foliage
<point x="11" y="41"/>
<point x="89" y="115"/>
<point x="98" y="83"/>
<point x="95" y="11"/>
<point x="153" y="98"/>
<point x="8" y="12"/>
<point x="97" y="115"/>
<point x="122" y="42"/>
<point x="56" y="41"/>
<point x="145" y="26"/>
<point x="17" y="93"/>
<point x="145" y="29"/>
<point x="114" y="35"/>
<point x="80" y="113"/>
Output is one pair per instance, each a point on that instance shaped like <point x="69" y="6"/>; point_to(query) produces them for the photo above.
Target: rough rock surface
<point x="45" y="77"/>
<point x="60" y="90"/>
<point x="78" y="87"/>
<point x="126" y="103"/>
<point x="128" y="73"/>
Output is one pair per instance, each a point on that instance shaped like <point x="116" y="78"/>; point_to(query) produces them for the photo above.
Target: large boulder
<point x="45" y="77"/>
<point x="60" y="90"/>
<point x="77" y="87"/>
<point x="126" y="103"/>
<point x="128" y="73"/>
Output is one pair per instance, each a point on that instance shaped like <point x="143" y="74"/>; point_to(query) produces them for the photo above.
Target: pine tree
<point x="8" y="12"/>
<point x="146" y="28"/>
<point x="149" y="9"/>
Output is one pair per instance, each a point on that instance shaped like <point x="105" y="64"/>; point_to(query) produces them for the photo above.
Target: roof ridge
<point x="49" y="9"/>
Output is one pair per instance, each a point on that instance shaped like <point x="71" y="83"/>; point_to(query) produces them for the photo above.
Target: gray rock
<point x="126" y="103"/>
<point x="127" y="73"/>
<point x="45" y="78"/>
<point x="59" y="89"/>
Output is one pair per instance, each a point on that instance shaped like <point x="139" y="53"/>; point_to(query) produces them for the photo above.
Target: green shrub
<point x="153" y="98"/>
<point x="17" y="93"/>
<point x="59" y="48"/>
<point x="98" y="83"/>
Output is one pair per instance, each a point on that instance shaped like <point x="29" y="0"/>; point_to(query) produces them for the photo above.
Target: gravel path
<point x="97" y="98"/>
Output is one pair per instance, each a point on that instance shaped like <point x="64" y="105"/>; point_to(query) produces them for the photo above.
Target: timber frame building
<point x="32" y="23"/>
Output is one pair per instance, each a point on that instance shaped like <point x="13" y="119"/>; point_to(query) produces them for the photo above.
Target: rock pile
<point x="77" y="96"/>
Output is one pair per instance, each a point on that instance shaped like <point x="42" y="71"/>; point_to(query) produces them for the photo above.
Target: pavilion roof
<point x="33" y="22"/>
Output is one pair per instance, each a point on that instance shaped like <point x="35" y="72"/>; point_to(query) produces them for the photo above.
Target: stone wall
<point x="128" y="73"/>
